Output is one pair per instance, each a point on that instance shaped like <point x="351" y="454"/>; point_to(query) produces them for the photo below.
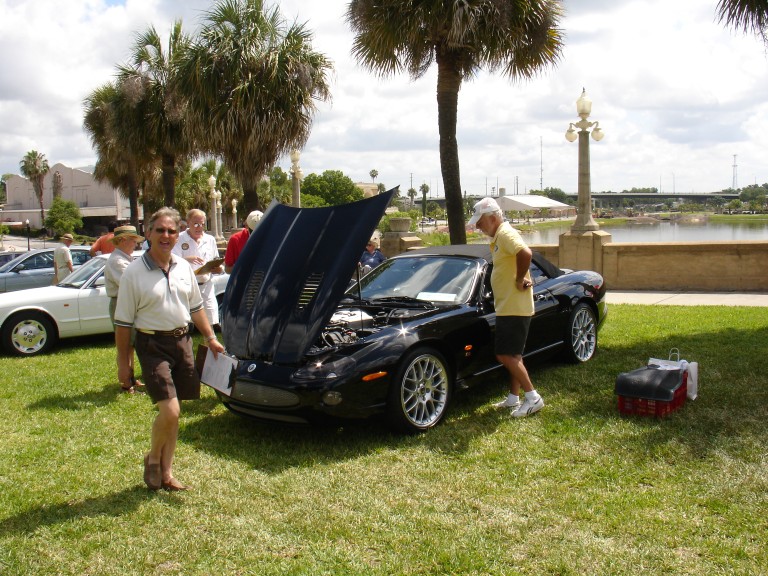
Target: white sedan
<point x="31" y="321"/>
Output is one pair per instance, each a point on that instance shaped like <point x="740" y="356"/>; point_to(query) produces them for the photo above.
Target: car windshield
<point x="10" y="264"/>
<point x="83" y="273"/>
<point x="438" y="279"/>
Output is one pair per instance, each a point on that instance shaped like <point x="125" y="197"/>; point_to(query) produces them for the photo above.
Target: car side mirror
<point x="19" y="268"/>
<point x="100" y="281"/>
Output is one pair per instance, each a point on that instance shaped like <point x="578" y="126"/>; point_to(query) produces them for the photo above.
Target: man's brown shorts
<point x="168" y="366"/>
<point x="511" y="334"/>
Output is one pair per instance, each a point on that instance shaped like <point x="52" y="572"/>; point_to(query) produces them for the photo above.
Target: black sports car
<point x="401" y="341"/>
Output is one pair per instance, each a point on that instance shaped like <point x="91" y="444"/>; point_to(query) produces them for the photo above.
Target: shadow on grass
<point x="114" y="504"/>
<point x="84" y="401"/>
<point x="732" y="407"/>
<point x="275" y="447"/>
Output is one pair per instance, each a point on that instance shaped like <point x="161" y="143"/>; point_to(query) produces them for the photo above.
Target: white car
<point x="31" y="321"/>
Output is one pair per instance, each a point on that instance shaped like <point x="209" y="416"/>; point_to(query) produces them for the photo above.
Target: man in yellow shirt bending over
<point x="513" y="300"/>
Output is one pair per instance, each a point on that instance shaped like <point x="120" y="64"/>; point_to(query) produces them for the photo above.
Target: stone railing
<point x="729" y="266"/>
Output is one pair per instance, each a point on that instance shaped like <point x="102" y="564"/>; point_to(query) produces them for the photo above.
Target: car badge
<point x="252" y="367"/>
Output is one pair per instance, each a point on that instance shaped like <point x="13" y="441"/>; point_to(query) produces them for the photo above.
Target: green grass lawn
<point x="576" y="489"/>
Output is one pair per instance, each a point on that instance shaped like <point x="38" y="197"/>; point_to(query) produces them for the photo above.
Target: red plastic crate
<point x="657" y="408"/>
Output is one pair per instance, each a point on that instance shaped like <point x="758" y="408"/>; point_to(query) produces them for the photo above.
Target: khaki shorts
<point x="511" y="334"/>
<point x="168" y="367"/>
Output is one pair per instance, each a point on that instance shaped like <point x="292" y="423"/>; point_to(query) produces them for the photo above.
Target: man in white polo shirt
<point x="197" y="247"/>
<point x="159" y="296"/>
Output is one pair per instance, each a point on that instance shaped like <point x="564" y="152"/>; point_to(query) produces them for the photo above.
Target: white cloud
<point x="676" y="94"/>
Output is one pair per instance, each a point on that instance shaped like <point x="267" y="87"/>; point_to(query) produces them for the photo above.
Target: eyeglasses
<point x="197" y="225"/>
<point x="170" y="231"/>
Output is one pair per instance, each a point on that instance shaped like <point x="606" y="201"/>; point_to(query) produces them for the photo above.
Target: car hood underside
<point x="291" y="275"/>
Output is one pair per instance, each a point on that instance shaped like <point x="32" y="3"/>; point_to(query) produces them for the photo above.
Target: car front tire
<point x="27" y="334"/>
<point x="582" y="334"/>
<point x="420" y="393"/>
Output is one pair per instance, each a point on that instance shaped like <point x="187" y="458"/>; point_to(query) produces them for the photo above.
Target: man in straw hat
<point x="62" y="259"/>
<point x="125" y="239"/>
<point x="513" y="300"/>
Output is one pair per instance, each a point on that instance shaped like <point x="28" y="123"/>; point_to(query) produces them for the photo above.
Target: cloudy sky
<point x="680" y="98"/>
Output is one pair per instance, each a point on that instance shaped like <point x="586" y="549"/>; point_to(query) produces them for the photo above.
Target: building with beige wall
<point x="98" y="202"/>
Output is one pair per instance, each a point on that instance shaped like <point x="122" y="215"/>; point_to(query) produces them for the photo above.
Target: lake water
<point x="664" y="232"/>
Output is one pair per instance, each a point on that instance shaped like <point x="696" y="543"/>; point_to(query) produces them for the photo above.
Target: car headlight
<point x="329" y="370"/>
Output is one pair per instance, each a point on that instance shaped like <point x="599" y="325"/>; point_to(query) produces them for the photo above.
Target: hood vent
<point x="252" y="291"/>
<point x="309" y="290"/>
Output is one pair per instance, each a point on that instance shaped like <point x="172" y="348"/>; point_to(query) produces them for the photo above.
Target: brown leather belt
<point x="176" y="332"/>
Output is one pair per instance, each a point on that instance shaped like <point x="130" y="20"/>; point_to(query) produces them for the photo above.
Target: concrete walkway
<point x="687" y="298"/>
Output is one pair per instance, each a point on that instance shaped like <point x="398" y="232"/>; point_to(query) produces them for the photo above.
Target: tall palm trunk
<point x="133" y="200"/>
<point x="251" y="198"/>
<point x="169" y="180"/>
<point x="37" y="184"/>
<point x="448" y="84"/>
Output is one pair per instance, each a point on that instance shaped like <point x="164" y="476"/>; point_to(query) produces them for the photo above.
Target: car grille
<point x="263" y="395"/>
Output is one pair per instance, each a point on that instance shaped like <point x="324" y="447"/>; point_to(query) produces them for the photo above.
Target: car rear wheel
<point x="28" y="333"/>
<point x="420" y="392"/>
<point x="582" y="334"/>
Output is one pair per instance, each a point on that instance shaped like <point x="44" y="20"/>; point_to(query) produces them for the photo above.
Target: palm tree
<point x="252" y="81"/>
<point x="108" y="120"/>
<point x="748" y="15"/>
<point x="150" y="84"/>
<point x="461" y="37"/>
<point x="35" y="166"/>
<point x="373" y="174"/>
<point x="424" y="189"/>
<point x="412" y="195"/>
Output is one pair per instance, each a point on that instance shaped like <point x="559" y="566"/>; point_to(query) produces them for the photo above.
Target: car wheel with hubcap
<point x="28" y="333"/>
<point x="420" y="392"/>
<point x="582" y="334"/>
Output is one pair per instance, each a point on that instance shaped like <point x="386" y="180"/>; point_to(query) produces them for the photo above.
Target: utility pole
<point x="541" y="163"/>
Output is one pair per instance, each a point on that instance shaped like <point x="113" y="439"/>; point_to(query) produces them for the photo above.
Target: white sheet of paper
<point x="217" y="372"/>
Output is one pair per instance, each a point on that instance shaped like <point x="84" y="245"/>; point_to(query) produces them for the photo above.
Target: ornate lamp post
<point x="219" y="217"/>
<point x="27" y="224"/>
<point x="212" y="216"/>
<point x="584" y="221"/>
<point x="297" y="175"/>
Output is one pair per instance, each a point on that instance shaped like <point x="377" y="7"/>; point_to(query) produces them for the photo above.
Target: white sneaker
<point x="528" y="407"/>
<point x="507" y="404"/>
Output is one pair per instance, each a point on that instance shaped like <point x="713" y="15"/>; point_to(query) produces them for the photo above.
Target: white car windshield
<point x="437" y="279"/>
<point x="83" y="274"/>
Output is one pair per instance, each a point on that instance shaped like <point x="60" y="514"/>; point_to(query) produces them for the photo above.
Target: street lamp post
<point x="584" y="221"/>
<point x="297" y="175"/>
<point x="27" y="223"/>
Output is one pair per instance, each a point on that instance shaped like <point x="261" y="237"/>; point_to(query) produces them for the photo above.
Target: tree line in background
<point x="243" y="91"/>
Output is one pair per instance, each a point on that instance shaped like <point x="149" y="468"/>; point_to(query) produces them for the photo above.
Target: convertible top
<point x="483" y="251"/>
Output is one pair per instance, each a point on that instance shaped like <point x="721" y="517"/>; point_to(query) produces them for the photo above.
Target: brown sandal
<point x="173" y="485"/>
<point x="152" y="474"/>
<point x="127" y="389"/>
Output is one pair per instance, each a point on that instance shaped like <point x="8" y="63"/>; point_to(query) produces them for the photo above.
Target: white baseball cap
<point x="253" y="219"/>
<point x="485" y="206"/>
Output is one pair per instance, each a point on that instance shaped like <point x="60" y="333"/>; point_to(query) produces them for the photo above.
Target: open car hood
<point x="291" y="275"/>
